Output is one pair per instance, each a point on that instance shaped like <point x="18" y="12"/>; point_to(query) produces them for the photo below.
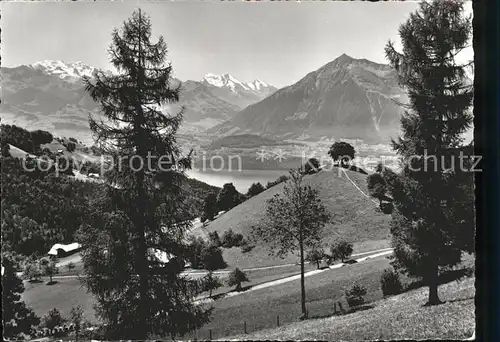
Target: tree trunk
<point x="302" y="282"/>
<point x="317" y="263"/>
<point x="433" y="287"/>
<point x="210" y="293"/>
<point x="142" y="262"/>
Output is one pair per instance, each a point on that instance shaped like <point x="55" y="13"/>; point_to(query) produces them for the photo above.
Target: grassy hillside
<point x="356" y="218"/>
<point x="394" y="318"/>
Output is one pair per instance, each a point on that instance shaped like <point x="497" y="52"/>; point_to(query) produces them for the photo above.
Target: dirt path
<point x="292" y="278"/>
<point x="222" y="272"/>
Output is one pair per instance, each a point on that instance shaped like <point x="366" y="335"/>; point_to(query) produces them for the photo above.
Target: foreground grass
<point x="62" y="295"/>
<point x="260" y="308"/>
<point x="394" y="318"/>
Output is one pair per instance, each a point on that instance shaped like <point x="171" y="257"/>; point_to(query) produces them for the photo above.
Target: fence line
<point x="212" y="332"/>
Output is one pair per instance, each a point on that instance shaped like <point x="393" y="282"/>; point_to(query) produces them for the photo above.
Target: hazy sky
<point x="277" y="42"/>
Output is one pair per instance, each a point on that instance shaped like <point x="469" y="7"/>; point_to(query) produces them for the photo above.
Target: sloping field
<point x="395" y="318"/>
<point x="63" y="295"/>
<point x="356" y="218"/>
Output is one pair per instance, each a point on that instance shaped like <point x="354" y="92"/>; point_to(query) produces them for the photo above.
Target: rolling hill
<point x="346" y="98"/>
<point x="356" y="218"/>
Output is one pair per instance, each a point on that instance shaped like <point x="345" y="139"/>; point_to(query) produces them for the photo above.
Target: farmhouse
<point x="61" y="250"/>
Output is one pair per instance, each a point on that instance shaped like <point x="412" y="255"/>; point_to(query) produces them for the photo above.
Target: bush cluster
<point x="390" y="283"/>
<point x="355" y="294"/>
<point x="281" y="179"/>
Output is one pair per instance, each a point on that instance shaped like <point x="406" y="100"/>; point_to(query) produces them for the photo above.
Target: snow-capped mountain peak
<point x="66" y="71"/>
<point x="258" y="85"/>
<point x="225" y="80"/>
<point x="235" y="91"/>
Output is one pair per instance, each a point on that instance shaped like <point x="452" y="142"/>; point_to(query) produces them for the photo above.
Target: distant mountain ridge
<point x="237" y="92"/>
<point x="66" y="71"/>
<point x="51" y="94"/>
<point x="346" y="98"/>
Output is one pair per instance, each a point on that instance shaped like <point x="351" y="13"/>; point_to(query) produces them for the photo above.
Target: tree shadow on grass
<point x="53" y="282"/>
<point x="219" y="296"/>
<point x="359" y="308"/>
<point x="460" y="299"/>
<point x="353" y="168"/>
<point x="35" y="281"/>
<point x="444" y="278"/>
<point x="345" y="312"/>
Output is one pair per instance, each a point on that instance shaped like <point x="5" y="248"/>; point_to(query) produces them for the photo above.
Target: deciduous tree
<point x="228" y="197"/>
<point x="49" y="267"/>
<point x="340" y="250"/>
<point x="293" y="221"/>
<point x="210" y="208"/>
<point x="377" y="187"/>
<point x="341" y="151"/>
<point x="316" y="255"/>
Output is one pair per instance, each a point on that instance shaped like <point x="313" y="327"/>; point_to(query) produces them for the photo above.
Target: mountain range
<point x="51" y="95"/>
<point x="345" y="98"/>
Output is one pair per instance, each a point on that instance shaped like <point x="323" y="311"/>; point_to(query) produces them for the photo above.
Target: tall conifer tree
<point x="140" y="215"/>
<point x="17" y="319"/>
<point x="428" y="232"/>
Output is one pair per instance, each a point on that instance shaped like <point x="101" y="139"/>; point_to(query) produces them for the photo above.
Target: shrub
<point x="390" y="283"/>
<point x="255" y="189"/>
<point x="312" y="166"/>
<point x="195" y="251"/>
<point x="212" y="259"/>
<point x="355" y="294"/>
<point x="237" y="277"/>
<point x="230" y="239"/>
<point x="386" y="207"/>
<point x="246" y="246"/>
<point x="76" y="318"/>
<point x="214" y="239"/>
<point x="70" y="266"/>
<point x="281" y="179"/>
<point x="5" y="150"/>
<point x="53" y="319"/>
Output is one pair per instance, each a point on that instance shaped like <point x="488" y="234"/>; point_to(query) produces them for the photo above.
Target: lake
<point x="240" y="179"/>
